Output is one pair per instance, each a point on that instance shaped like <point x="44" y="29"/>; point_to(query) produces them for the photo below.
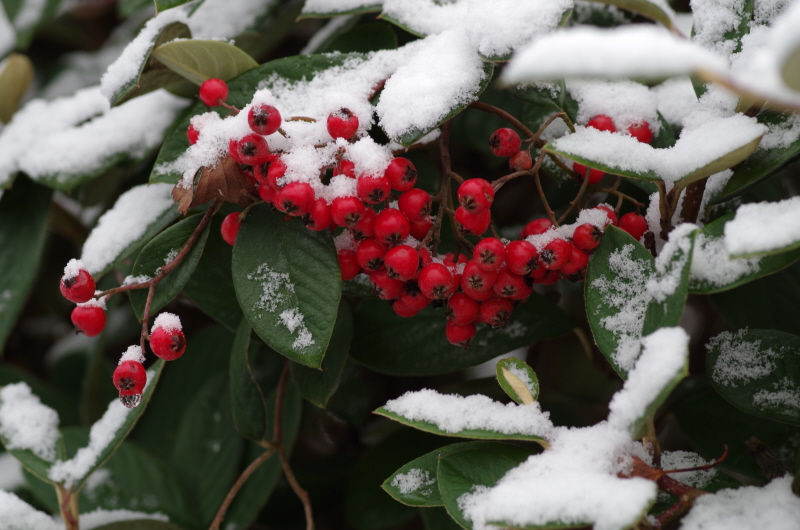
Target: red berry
<point x="601" y="122"/>
<point x="213" y="91"/>
<point x="587" y="236"/>
<point x="348" y="264"/>
<point x="521" y="161"/>
<point x="402" y="174"/>
<point x="346" y="211"/>
<point x="77" y="285"/>
<point x="460" y="335"/>
<point x="595" y="175"/>
<point x="370" y="254"/>
<point x="346" y="168"/>
<point x="251" y="150"/>
<point x="415" y="204"/>
<point x="504" y="142"/>
<point x="489" y="254"/>
<point x="510" y="285"/>
<point x="539" y="272"/>
<point x="276" y="170"/>
<point x="495" y="311"/>
<point x="168" y="344"/>
<point x="425" y="257"/>
<point x="267" y="194"/>
<point x="577" y="262"/>
<point x="634" y="224"/>
<point x="536" y="227"/>
<point x="404" y="310"/>
<point x="342" y="124"/>
<point x="391" y="227"/>
<point x="89" y="319"/>
<point x="461" y="309"/>
<point x="420" y="229"/>
<point x="610" y="213"/>
<point x="295" y="198"/>
<point x="318" y="218"/>
<point x="475" y="195"/>
<point x="372" y="190"/>
<point x="251" y="176"/>
<point x="412" y="296"/>
<point x="476" y="282"/>
<point x="642" y="132"/>
<point x="436" y="281"/>
<point x="384" y="287"/>
<point x="130" y="377"/>
<point x="556" y="254"/>
<point x="401" y="262"/>
<point x="365" y="227"/>
<point x="264" y="119"/>
<point x="230" y="227"/>
<point x="193" y="134"/>
<point x="475" y="224"/>
<point x="521" y="257"/>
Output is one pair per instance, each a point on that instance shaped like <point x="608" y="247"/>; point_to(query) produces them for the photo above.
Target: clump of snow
<point x="670" y="263"/>
<point x="783" y="134"/>
<point x="740" y="361"/>
<point x="27" y="424"/>
<point x="11" y="476"/>
<point x="16" y="514"/>
<point x="130" y="280"/>
<point x="766" y="10"/>
<point x="293" y="320"/>
<point x="784" y="395"/>
<point x="683" y="460"/>
<point x="763" y="227"/>
<point x="592" y="216"/>
<point x="413" y="482"/>
<point x="626" y="102"/>
<point x="124" y="223"/>
<point x="275" y="287"/>
<point x="95" y="302"/>
<point x="710" y="262"/>
<point x="345" y="241"/>
<point x="169" y="321"/>
<point x="336" y="6"/>
<point x="453" y="413"/>
<point x="73" y="268"/>
<point x="714" y="186"/>
<point x="773" y="506"/>
<point x="712" y="20"/>
<point x="676" y="99"/>
<point x="133" y="353"/>
<point x="223" y="19"/>
<point x="101" y="517"/>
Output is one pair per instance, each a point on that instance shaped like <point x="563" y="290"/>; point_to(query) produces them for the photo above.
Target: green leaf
<point x="36" y="465"/>
<point x="15" y="77"/>
<point x="333" y="12"/>
<point x="53" y="397"/>
<point x="711" y="242"/>
<point x="199" y="60"/>
<point x="438" y="519"/>
<point x="674" y="272"/>
<point x="421" y="472"/>
<point x="288" y="283"/>
<point x="318" y="386"/>
<point x="23" y="227"/>
<point x="394" y="345"/>
<point x="518" y="380"/>
<point x="647" y="9"/>
<point x="665" y="137"/>
<point x="726" y="161"/>
<point x="163" y="5"/>
<point x="790" y="69"/>
<point x="158" y="253"/>
<point x="362" y="39"/>
<point x="459" y="473"/>
<point x="95" y="390"/>
<point x="247" y="401"/>
<point x="648" y="175"/>
<point x="554" y="96"/>
<point x="758" y="372"/>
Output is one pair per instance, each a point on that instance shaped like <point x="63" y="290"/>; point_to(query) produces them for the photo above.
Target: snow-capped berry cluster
<point x="77" y="285"/>
<point x="641" y="131"/>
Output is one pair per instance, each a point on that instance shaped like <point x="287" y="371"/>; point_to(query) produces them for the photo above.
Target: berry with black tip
<point x="461" y="309"/>
<point x="402" y="174"/>
<point x="342" y="123"/>
<point x="521" y="161"/>
<point x="213" y="92"/>
<point x="373" y="190"/>
<point x="77" y="285"/>
<point x="473" y="224"/>
<point x="401" y="262"/>
<point x="370" y="254"/>
<point x="295" y="199"/>
<point x="521" y="257"/>
<point x="230" y="227"/>
<point x="264" y="119"/>
<point x="130" y="377"/>
<point x="412" y="296"/>
<point x="495" y="311"/>
<point x="365" y="227"/>
<point x="391" y="227"/>
<point x="436" y="281"/>
<point x="346" y="211"/>
<point x="89" y="319"/>
<point x="587" y="236"/>
<point x="251" y="150"/>
<point x="556" y="254"/>
<point x="415" y="204"/>
<point x="167" y="343"/>
<point x="509" y="285"/>
<point x="384" y="287"/>
<point x="577" y="262"/>
<point x="318" y="218"/>
<point x="489" y="253"/>
<point x="475" y="195"/>
<point x="477" y="282"/>
<point x="504" y="142"/>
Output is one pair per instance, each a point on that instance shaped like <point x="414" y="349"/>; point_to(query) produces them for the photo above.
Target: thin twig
<point x="277" y="428"/>
<point x="301" y="118"/>
<point x="715" y="463"/>
<point x="491" y="109"/>
<point x="497" y="184"/>
<point x="612" y="191"/>
<point x="298" y="490"/>
<point x="249" y="470"/>
<point x="576" y="200"/>
<point x="433" y="234"/>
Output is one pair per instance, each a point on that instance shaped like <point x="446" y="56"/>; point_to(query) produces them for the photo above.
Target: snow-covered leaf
<point x="247" y="401"/>
<point x="22" y="515"/>
<point x="363" y="38"/>
<point x="288" y="284"/>
<point x="757" y="371"/>
<point x="199" y="60"/>
<point x="16" y="73"/>
<point x="658" y="10"/>
<point x="764" y="228"/>
<point x="790" y="70"/>
<point x="553" y="96"/>
<point x="326" y="9"/>
<point x="163" y="5"/>
<point x="518" y="380"/>
<point x="139" y="524"/>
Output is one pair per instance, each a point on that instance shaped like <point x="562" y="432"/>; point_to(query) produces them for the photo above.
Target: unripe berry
<point x="77" y="285"/>
<point x="577" y="262"/>
<point x="365" y="227"/>
<point x="264" y="119"/>
<point x="401" y="262"/>
<point x="536" y="227"/>
<point x="634" y="224"/>
<point x="521" y="161"/>
<point x="346" y="168"/>
<point x="475" y="195"/>
<point x="642" y="132"/>
<point x="370" y="254"/>
<point x="510" y="285"/>
<point x="521" y="257"/>
<point x="402" y="174"/>
<point x="251" y="150"/>
<point x="587" y="236"/>
<point x="346" y="211"/>
<point x="318" y="218"/>
<point x="595" y="175"/>
<point x="295" y="198"/>
<point x="436" y="281"/>
<point x="213" y="91"/>
<point x="415" y="204"/>
<point x="192" y="134"/>
<point x="230" y="227"/>
<point x="461" y="309"/>
<point x="460" y="335"/>
<point x="384" y="287"/>
<point x="476" y="282"/>
<point x="130" y="377"/>
<point x="420" y="229"/>
<point x="372" y="190"/>
<point x="489" y="253"/>
<point x="504" y="142"/>
<point x="342" y="124"/>
<point x="601" y="122"/>
<point x="495" y="311"/>
<point x="556" y="254"/>
<point x="474" y="224"/>
<point x="391" y="227"/>
<point x="89" y="319"/>
<point x="348" y="264"/>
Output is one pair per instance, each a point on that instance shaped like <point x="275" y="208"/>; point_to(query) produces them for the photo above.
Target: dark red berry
<point x="521" y="257"/>
<point x="536" y="227"/>
<point x="550" y="278"/>
<point x="475" y="224"/>
<point x="251" y="150"/>
<point x="642" y="132"/>
<point x="460" y="335"/>
<point x="496" y="311"/>
<point x="556" y="254"/>
<point x="168" y="344"/>
<point x="370" y="254"/>
<point x="213" y="91"/>
<point x="461" y="309"/>
<point x="587" y="236"/>
<point x="391" y="227"/>
<point x="475" y="195"/>
<point x="348" y="264"/>
<point x="267" y="194"/>
<point x="415" y="204"/>
<point x="77" y="285"/>
<point x="365" y="227"/>
<point x="346" y="211"/>
<point x="610" y="213"/>
<point x="295" y="198"/>
<point x="521" y="161"/>
<point x="476" y="282"/>
<point x="130" y="377"/>
<point x="595" y="175"/>
<point x="425" y="257"/>
<point x="401" y="262"/>
<point x="193" y="135"/>
<point x="504" y="142"/>
<point x="264" y="119"/>
<point x="89" y="319"/>
<point x="509" y="285"/>
<point x="601" y="122"/>
<point x="384" y="287"/>
<point x="634" y="224"/>
<point x="489" y="253"/>
<point x="372" y="190"/>
<point x="402" y="174"/>
<point x="342" y="124"/>
<point x="420" y="229"/>
<point x="318" y="218"/>
<point x="346" y="168"/>
<point x="436" y="281"/>
<point x="230" y="227"/>
<point x="577" y="262"/>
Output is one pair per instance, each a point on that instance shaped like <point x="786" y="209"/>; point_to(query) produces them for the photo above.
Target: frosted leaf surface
<point x="336" y="6"/>
<point x="712" y="20"/>
<point x="413" y="481"/>
<point x="763" y="227"/>
<point x="27" y="424"/>
<point x="784" y="394"/>
<point x="740" y="361"/>
<point x="676" y="99"/>
<point x="11" y="476"/>
<point x="684" y="459"/>
<point x="16" y="514"/>
<point x="710" y="262"/>
<point x="100" y="517"/>
<point x="226" y="19"/>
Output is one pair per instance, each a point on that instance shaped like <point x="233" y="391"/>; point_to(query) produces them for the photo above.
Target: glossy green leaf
<point x="460" y="472"/>
<point x="317" y="386"/>
<point x="163" y="5"/>
<point x="518" y="380"/>
<point x="247" y="401"/>
<point x="394" y="345"/>
<point x="159" y="252"/>
<point x="199" y="60"/>
<point x="438" y="519"/>
<point x="711" y="239"/>
<point x="665" y="137"/>
<point x="758" y="372"/>
<point x="362" y="39"/>
<point x="651" y="10"/>
<point x="23" y="227"/>
<point x="555" y="97"/>
<point x="667" y="312"/>
<point x="729" y="160"/>
<point x="95" y="390"/>
<point x="288" y="284"/>
<point x="333" y="12"/>
<point x="15" y="77"/>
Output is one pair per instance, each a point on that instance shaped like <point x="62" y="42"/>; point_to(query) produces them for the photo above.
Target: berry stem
<point x="301" y="118"/>
<point x="229" y="107"/>
<point x="249" y="470"/>
<point x="497" y="184"/>
<point x="433" y="236"/>
<point x="622" y="196"/>
<point x="664" y="209"/>
<point x="576" y="201"/>
<point x="68" y="506"/>
<point x="543" y="198"/>
<point x="691" y="200"/>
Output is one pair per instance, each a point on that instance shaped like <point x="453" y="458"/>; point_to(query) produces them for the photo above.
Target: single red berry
<point x="509" y="285"/>
<point x="401" y="262"/>
<point x="77" y="285"/>
<point x="461" y="309"/>
<point x="610" y="213"/>
<point x="536" y="227"/>
<point x="168" y="344"/>
<point x="634" y="224"/>
<point x="601" y="122"/>
<point x="370" y="254"/>
<point x="391" y="227"/>
<point x="504" y="142"/>
<point x="539" y="272"/>
<point x="496" y="311"/>
<point x="420" y="229"/>
<point x="348" y="264"/>
<point x="475" y="224"/>
<point x="550" y="278"/>
<point x="89" y="319"/>
<point x="193" y="135"/>
<point x="425" y="257"/>
<point x="365" y="227"/>
<point x="415" y="204"/>
<point x="276" y="170"/>
<point x="577" y="262"/>
<point x="318" y="218"/>
<point x="404" y="310"/>
<point x="489" y="253"/>
<point x="264" y="119"/>
<point x="295" y="198"/>
<point x="230" y="227"/>
<point x="251" y="150"/>
<point x="342" y="124"/>
<point x="213" y="92"/>
<point x="595" y="175"/>
<point x="402" y="174"/>
<point x="521" y="161"/>
<point x="436" y="281"/>
<point x="130" y="377"/>
<point x="475" y="195"/>
<point x="346" y="168"/>
<point x="346" y="211"/>
<point x="267" y="194"/>
<point x="384" y="287"/>
<point x="521" y="257"/>
<point x="556" y="254"/>
<point x="412" y="296"/>
<point x="460" y="335"/>
<point x="372" y="190"/>
<point x="641" y="131"/>
<point x="587" y="236"/>
<point x="477" y="282"/>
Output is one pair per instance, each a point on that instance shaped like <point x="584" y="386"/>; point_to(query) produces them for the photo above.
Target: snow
<point x="453" y="413"/>
<point x="100" y="517"/>
<point x="413" y="481"/>
<point x="225" y="19"/>
<point x="683" y="460"/>
<point x="670" y="263"/>
<point x="626" y="102"/>
<point x="29" y="14"/>
<point x="169" y="321"/>
<point x="73" y="268"/>
<point x="125" y="223"/>
<point x="16" y="514"/>
<point x="676" y="99"/>
<point x="782" y="135"/>
<point x="591" y="216"/>
<point x="773" y="506"/>
<point x="275" y="287"/>
<point x="336" y="6"/>
<point x="763" y="227"/>
<point x="11" y="476"/>
<point x="133" y="353"/>
<point x="640" y="51"/>
<point x="710" y="262"/>
<point x="293" y="320"/>
<point x="95" y="302"/>
<point x="712" y="20"/>
<point x="27" y="424"/>
<point x="766" y="10"/>
<point x="784" y="395"/>
<point x="8" y="36"/>
<point x="740" y="361"/>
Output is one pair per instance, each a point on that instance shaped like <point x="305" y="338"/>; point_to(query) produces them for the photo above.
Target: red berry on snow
<point x="318" y="218"/>
<point x="264" y="119"/>
<point x="348" y="264"/>
<point x="193" y="134"/>
<point x="213" y="91"/>
<point x="384" y="287"/>
<point x="536" y="227"/>
<point x="402" y="174"/>
<point x="642" y="132"/>
<point x="489" y="253"/>
<point x="346" y="211"/>
<point x="595" y="175"/>
<point x="601" y="122"/>
<point x="130" y="377"/>
<point x="295" y="198"/>
<point x="251" y="150"/>
<point x="89" y="319"/>
<point x="370" y="254"/>
<point x="461" y="309"/>
<point x="436" y="281"/>
<point x="504" y="142"/>
<point x="391" y="227"/>
<point x="475" y="195"/>
<point x="556" y="254"/>
<point x="495" y="311"/>
<point x="77" y="285"/>
<point x="401" y="262"/>
<point x="373" y="190"/>
<point x="587" y="236"/>
<point x="521" y="257"/>
<point x="342" y="124"/>
<point x="346" y="168"/>
<point x="475" y="224"/>
<point x="415" y="204"/>
<point x="634" y="224"/>
<point x="521" y="161"/>
<point x="460" y="335"/>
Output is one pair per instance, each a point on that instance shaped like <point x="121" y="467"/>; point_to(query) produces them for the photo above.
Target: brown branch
<point x="433" y="235"/>
<point x="497" y="184"/>
<point x="692" y="199"/>
<point x="576" y="200"/>
<point x="612" y="191"/>
<point x="249" y="470"/>
<point x="277" y="432"/>
<point x="68" y="506"/>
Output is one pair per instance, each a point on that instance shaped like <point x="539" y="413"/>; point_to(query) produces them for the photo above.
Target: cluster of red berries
<point x="166" y="338"/>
